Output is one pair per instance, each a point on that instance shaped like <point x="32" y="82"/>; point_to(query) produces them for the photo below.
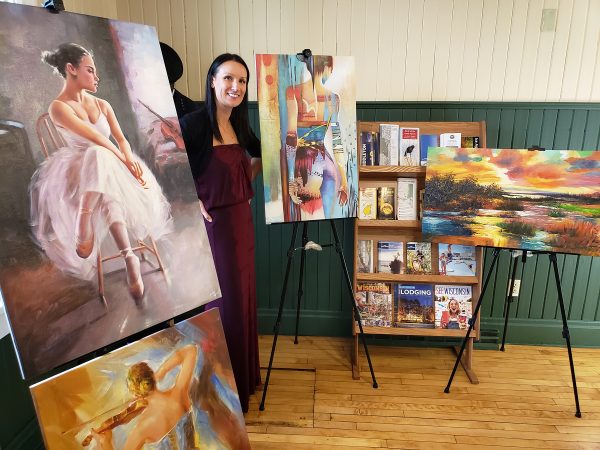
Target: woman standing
<point x="218" y="140"/>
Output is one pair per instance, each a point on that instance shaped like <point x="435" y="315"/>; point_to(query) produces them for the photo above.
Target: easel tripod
<point x="290" y="256"/>
<point x="509" y="296"/>
<point x="565" y="330"/>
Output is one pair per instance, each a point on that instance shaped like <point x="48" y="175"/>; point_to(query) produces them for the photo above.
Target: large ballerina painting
<point x="172" y="390"/>
<point x="521" y="199"/>
<point x="307" y="109"/>
<point x="100" y="229"/>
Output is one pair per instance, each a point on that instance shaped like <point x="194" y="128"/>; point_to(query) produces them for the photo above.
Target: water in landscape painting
<point x="533" y="200"/>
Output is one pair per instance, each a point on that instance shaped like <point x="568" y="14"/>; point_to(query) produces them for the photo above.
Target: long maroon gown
<point x="225" y="189"/>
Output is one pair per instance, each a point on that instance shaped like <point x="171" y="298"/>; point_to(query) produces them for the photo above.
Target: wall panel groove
<point x="414" y="50"/>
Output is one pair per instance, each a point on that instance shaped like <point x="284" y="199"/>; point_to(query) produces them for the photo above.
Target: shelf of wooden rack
<point x="416" y="278"/>
<point x="390" y="224"/>
<point x="410" y="230"/>
<point x="395" y="171"/>
<point x="434" y="332"/>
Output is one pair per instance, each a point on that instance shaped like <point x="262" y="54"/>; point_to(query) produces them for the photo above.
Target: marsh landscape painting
<point x="532" y="200"/>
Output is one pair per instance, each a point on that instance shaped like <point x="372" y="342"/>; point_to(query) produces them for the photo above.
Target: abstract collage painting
<point x="307" y="109"/>
<point x="100" y="230"/>
<point x="171" y="390"/>
<point x="519" y="199"/>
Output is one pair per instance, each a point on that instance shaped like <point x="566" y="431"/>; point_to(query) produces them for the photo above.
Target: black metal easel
<point x="290" y="255"/>
<point x="509" y="296"/>
<point x="565" y="331"/>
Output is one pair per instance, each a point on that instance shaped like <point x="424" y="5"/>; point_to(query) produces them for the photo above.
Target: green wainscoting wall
<point x="326" y="309"/>
<point x="535" y="318"/>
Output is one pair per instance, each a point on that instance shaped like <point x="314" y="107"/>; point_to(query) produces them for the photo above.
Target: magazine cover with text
<point x="374" y="301"/>
<point x="413" y="306"/>
<point x="453" y="306"/>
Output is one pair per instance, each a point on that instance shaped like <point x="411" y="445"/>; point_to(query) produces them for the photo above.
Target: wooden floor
<point x="524" y="399"/>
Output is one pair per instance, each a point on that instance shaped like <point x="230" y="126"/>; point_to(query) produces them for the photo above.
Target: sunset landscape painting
<point x="520" y="199"/>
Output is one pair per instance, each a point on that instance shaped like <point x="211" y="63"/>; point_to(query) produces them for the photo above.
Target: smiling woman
<point x="218" y="140"/>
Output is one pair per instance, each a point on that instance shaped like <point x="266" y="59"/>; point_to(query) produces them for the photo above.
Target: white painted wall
<point x="412" y="50"/>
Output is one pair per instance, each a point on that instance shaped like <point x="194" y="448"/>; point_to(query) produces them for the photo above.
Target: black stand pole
<point x="301" y="277"/>
<point x="565" y="332"/>
<point x="473" y="318"/>
<point x="509" y="297"/>
<point x="290" y="255"/>
<point x="338" y="249"/>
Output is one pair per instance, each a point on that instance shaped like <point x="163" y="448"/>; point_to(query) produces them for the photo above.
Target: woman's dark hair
<point x="239" y="114"/>
<point x="64" y="54"/>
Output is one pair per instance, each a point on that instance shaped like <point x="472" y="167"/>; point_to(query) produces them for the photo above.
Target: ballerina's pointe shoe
<point x="84" y="244"/>
<point x="134" y="274"/>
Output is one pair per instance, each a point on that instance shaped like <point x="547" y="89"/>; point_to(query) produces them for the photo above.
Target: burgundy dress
<point x="225" y="188"/>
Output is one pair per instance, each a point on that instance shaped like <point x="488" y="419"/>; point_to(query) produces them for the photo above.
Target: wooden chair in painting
<point x="51" y="140"/>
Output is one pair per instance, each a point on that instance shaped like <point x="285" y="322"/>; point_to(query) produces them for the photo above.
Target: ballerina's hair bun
<point x="64" y="54"/>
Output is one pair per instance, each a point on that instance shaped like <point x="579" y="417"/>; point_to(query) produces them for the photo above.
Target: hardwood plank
<point x="523" y="443"/>
<point x="524" y="400"/>
<point x="358" y="434"/>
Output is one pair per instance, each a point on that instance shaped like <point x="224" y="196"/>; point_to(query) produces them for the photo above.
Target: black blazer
<point x="183" y="104"/>
<point x="198" y="138"/>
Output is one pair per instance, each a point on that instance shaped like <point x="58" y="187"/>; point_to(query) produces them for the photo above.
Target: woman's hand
<point x="204" y="212"/>
<point x="342" y="195"/>
<point x="294" y="187"/>
<point x="136" y="170"/>
<point x="104" y="438"/>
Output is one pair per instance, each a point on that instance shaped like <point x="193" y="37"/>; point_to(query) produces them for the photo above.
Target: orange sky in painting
<point x="521" y="170"/>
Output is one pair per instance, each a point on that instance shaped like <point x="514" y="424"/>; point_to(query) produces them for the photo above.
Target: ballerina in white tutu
<point x="92" y="187"/>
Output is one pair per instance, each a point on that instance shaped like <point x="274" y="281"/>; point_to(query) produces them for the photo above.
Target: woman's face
<point x="230" y="84"/>
<point x="453" y="306"/>
<point x="85" y="74"/>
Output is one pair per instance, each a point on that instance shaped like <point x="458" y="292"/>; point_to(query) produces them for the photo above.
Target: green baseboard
<point x="545" y="332"/>
<point x="312" y="323"/>
<point x="520" y="331"/>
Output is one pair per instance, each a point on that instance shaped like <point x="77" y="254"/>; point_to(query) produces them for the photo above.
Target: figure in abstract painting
<point x="173" y="390"/>
<point x="91" y="187"/>
<point x="532" y="200"/>
<point x="308" y="124"/>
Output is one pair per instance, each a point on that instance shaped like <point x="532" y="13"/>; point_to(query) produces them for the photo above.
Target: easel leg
<point x="565" y="332"/>
<point x="301" y="277"/>
<point x="338" y="249"/>
<point x="467" y="360"/>
<point x="290" y="256"/>
<point x="355" y="358"/>
<point x="473" y="319"/>
<point x="508" y="300"/>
